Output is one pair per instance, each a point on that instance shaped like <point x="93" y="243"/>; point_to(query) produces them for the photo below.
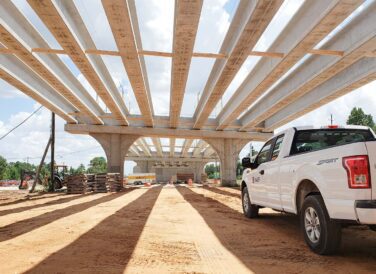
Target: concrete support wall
<point x="116" y="147"/>
<point x="165" y="173"/>
<point x="228" y="151"/>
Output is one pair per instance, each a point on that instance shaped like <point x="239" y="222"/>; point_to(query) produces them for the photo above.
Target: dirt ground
<point x="162" y="230"/>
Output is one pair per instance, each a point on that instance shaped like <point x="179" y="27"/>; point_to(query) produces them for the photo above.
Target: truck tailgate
<point x="371" y="148"/>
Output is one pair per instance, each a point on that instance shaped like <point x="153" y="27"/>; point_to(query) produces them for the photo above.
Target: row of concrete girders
<point x="312" y="23"/>
<point x="142" y="148"/>
<point x="250" y="21"/>
<point x="329" y="17"/>
<point x="357" y="40"/>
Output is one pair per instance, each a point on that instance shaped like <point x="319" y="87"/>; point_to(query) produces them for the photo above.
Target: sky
<point x="156" y="25"/>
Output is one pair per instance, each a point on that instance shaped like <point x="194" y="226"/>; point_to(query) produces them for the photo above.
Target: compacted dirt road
<point x="163" y="230"/>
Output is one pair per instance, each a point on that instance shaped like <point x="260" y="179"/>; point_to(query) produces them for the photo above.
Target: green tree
<point x="80" y="170"/>
<point x="3" y="168"/>
<point x="212" y="171"/>
<point x="358" y="117"/>
<point x="97" y="165"/>
<point x="14" y="169"/>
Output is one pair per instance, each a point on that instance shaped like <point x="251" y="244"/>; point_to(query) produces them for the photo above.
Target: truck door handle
<point x="262" y="172"/>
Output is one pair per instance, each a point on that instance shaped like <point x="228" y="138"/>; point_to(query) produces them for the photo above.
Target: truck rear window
<point x="311" y="140"/>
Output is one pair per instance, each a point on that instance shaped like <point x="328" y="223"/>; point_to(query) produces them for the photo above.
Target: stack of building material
<point x="76" y="184"/>
<point x="204" y="178"/>
<point x="90" y="182"/>
<point x="100" y="184"/>
<point x="114" y="183"/>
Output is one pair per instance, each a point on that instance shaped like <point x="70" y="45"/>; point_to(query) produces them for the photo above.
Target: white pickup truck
<point x="323" y="175"/>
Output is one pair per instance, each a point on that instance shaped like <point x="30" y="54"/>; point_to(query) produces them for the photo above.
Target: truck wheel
<point x="249" y="210"/>
<point x="321" y="234"/>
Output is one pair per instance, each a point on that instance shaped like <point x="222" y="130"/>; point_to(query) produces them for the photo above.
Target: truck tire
<point x="322" y="235"/>
<point x="250" y="210"/>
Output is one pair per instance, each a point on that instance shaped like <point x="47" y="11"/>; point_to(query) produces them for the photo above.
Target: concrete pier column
<point x="199" y="169"/>
<point x="228" y="151"/>
<point x="142" y="167"/>
<point x="116" y="147"/>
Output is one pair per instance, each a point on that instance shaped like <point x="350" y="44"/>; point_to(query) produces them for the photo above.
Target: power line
<point x="58" y="156"/>
<point x="6" y="134"/>
<point x="73" y="152"/>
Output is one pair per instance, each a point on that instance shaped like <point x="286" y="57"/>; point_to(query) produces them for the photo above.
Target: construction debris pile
<point x="99" y="183"/>
<point x="77" y="184"/>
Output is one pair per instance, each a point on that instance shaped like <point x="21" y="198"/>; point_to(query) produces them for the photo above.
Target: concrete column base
<point x="116" y="147"/>
<point x="229" y="183"/>
<point x="228" y="151"/>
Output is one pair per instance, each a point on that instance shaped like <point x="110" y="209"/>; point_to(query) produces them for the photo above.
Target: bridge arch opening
<point x="171" y="159"/>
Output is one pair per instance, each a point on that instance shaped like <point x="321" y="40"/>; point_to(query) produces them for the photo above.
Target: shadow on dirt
<point x="274" y="240"/>
<point x="107" y="247"/>
<point x="62" y="200"/>
<point x="221" y="191"/>
<point x="31" y="198"/>
<point x="15" y="229"/>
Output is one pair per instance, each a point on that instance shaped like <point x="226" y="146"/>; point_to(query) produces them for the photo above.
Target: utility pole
<point x="52" y="185"/>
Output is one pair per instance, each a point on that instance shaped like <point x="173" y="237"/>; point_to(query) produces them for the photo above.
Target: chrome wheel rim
<point x="245" y="202"/>
<point x="312" y="224"/>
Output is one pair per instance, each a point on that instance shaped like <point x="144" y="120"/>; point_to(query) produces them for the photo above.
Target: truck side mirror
<point x="247" y="163"/>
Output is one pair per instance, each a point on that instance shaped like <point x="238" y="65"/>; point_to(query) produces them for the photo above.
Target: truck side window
<point x="277" y="147"/>
<point x="264" y="154"/>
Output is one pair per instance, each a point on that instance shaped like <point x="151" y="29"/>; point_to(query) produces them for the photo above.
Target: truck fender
<point x="305" y="188"/>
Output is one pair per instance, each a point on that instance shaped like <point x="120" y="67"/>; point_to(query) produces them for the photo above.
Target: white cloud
<point x="28" y="142"/>
<point x="9" y="92"/>
<point x="340" y="108"/>
<point x="156" y="21"/>
<point x="30" y="139"/>
<point x="363" y="97"/>
<point x="213" y="25"/>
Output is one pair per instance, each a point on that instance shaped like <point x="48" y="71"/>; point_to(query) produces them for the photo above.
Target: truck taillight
<point x="333" y="126"/>
<point x="357" y="168"/>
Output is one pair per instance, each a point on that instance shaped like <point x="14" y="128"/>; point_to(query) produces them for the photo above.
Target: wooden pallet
<point x="77" y="184"/>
